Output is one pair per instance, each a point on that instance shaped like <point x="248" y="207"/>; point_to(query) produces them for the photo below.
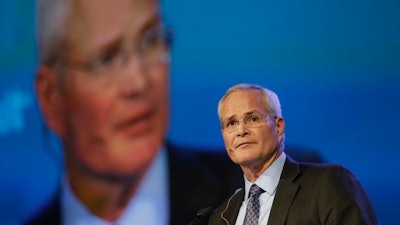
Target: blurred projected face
<point x="114" y="100"/>
<point x="250" y="135"/>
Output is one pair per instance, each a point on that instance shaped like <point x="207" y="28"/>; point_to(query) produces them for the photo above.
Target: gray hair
<point x="50" y="29"/>
<point x="270" y="98"/>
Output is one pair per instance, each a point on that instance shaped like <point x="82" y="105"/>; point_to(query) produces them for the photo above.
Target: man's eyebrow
<point x="117" y="43"/>
<point x="253" y="112"/>
<point x="229" y="118"/>
<point x="113" y="45"/>
<point x="153" y="21"/>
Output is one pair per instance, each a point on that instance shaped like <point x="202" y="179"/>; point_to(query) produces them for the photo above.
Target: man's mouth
<point x="243" y="144"/>
<point x="136" y="125"/>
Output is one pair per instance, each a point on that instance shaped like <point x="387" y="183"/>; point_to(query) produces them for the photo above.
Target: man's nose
<point x="134" y="78"/>
<point x="242" y="129"/>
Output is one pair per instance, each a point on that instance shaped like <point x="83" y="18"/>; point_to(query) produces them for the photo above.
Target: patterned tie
<point x="253" y="206"/>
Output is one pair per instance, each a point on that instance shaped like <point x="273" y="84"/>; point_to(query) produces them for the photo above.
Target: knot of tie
<point x="253" y="206"/>
<point x="255" y="191"/>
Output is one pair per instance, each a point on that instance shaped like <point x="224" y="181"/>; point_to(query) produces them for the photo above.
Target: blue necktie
<point x="253" y="206"/>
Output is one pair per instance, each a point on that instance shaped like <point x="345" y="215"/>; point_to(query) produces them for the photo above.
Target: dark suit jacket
<point x="199" y="178"/>
<point x="309" y="194"/>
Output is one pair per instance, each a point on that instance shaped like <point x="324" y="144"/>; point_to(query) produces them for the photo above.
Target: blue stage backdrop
<point x="334" y="64"/>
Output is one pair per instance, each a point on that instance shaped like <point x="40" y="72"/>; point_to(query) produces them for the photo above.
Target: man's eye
<point x="231" y="123"/>
<point x="152" y="39"/>
<point x="104" y="61"/>
<point x="255" y="118"/>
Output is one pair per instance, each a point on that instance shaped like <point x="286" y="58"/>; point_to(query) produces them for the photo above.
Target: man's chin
<point x="119" y="177"/>
<point x="243" y="159"/>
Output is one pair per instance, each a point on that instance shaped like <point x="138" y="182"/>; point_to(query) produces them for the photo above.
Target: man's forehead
<point x="95" y="4"/>
<point x="99" y="12"/>
<point x="242" y="97"/>
<point x="242" y="102"/>
<point x="92" y="24"/>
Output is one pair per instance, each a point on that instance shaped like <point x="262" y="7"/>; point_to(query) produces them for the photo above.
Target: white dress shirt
<point x="150" y="205"/>
<point x="268" y="181"/>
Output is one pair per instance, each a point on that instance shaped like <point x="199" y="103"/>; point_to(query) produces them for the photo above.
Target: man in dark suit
<point x="279" y="190"/>
<point x="102" y="84"/>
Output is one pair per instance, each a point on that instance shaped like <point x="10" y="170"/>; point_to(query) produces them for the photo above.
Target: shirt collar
<point x="268" y="180"/>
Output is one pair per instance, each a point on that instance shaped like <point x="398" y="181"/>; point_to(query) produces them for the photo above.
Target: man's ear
<point x="280" y="124"/>
<point x="48" y="92"/>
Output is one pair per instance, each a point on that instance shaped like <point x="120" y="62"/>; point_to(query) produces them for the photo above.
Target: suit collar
<point x="286" y="192"/>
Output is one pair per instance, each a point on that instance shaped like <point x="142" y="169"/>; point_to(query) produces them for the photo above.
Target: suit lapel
<point x="233" y="205"/>
<point x="286" y="191"/>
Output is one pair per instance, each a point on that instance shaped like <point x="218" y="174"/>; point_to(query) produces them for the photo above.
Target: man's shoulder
<point x="329" y="169"/>
<point x="322" y="172"/>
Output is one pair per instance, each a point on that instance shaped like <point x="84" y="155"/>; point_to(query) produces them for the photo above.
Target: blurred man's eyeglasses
<point x="253" y="120"/>
<point x="151" y="49"/>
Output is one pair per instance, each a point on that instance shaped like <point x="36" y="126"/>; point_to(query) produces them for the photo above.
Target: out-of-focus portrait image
<point x="108" y="109"/>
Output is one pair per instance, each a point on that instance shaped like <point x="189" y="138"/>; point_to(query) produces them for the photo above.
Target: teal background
<point x="334" y="64"/>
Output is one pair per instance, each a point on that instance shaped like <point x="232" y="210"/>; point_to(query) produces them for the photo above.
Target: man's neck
<point x="106" y="198"/>
<point x="255" y="170"/>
